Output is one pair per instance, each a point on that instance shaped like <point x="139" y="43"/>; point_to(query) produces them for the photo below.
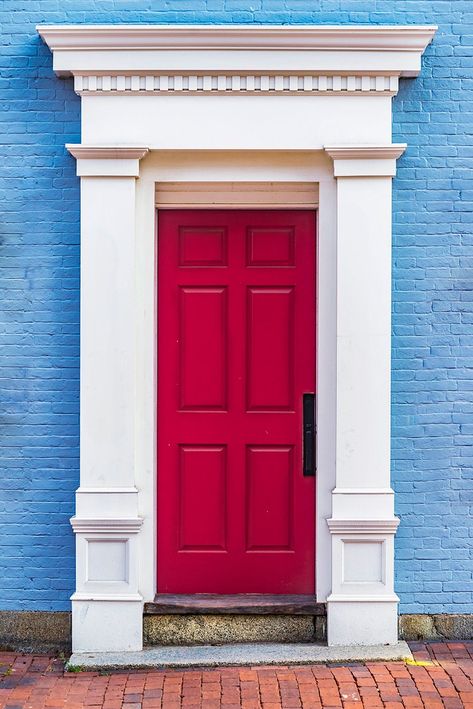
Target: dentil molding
<point x="90" y="84"/>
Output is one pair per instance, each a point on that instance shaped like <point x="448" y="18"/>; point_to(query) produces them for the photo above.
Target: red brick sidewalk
<point x="441" y="677"/>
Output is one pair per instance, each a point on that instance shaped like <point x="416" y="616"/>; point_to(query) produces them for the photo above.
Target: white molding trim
<point x="146" y="84"/>
<point x="145" y="52"/>
<point x="82" y="525"/>
<point x="237" y="195"/>
<point x="107" y="490"/>
<point x="126" y="597"/>
<point x="363" y="526"/>
<point x="365" y="160"/>
<point x="362" y="598"/>
<point x="366" y="152"/>
<point x="107" y="160"/>
<point x="364" y="491"/>
<point x="378" y="38"/>
<point x="106" y="152"/>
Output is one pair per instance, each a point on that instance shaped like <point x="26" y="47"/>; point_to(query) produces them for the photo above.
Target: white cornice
<point x="141" y="51"/>
<point x="107" y="160"/>
<point x="411" y="38"/>
<point x="92" y="152"/>
<point x="366" y="152"/>
<point x="365" y="160"/>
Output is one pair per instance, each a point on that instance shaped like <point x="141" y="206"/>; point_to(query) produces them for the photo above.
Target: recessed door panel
<point x="203" y="347"/>
<point x="200" y="246"/>
<point x="270" y="348"/>
<point x="236" y="354"/>
<point x="202" y="526"/>
<point x="269" y="507"/>
<point x="270" y="247"/>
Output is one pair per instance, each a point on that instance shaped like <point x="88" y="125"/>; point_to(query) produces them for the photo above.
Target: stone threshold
<point x="234" y="604"/>
<point x="236" y="655"/>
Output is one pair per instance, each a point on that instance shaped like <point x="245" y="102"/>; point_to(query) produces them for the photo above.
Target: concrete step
<point x="238" y="654"/>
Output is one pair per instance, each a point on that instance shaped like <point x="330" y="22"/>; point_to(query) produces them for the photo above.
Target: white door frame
<point x="167" y="104"/>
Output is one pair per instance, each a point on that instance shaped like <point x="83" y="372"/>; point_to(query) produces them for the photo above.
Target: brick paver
<point x="441" y="676"/>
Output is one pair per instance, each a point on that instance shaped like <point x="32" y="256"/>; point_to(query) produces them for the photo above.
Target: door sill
<point x="236" y="604"/>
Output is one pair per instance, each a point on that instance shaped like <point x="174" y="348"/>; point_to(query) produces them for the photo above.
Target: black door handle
<point x="308" y="433"/>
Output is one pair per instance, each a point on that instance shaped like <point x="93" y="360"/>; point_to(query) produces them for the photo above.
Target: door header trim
<point x="237" y="195"/>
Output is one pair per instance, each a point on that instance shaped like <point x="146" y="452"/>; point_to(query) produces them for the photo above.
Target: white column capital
<point x="365" y="160"/>
<point x="107" y="160"/>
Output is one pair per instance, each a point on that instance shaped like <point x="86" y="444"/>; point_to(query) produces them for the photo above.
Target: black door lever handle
<point x="308" y="434"/>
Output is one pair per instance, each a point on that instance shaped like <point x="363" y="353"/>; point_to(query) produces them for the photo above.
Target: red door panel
<point x="236" y="352"/>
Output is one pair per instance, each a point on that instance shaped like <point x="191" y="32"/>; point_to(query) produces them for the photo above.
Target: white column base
<point x="107" y="626"/>
<point x="362" y="608"/>
<point x="362" y="623"/>
<point x="107" y="607"/>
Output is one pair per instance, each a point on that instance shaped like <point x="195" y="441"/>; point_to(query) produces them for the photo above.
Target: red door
<point x="236" y="353"/>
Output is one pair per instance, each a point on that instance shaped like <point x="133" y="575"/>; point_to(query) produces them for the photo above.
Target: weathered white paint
<point x="234" y="137"/>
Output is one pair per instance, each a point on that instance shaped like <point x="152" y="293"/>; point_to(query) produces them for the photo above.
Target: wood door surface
<point x="236" y="353"/>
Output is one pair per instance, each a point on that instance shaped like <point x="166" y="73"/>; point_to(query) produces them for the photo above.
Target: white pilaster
<point x="362" y="607"/>
<point x="107" y="606"/>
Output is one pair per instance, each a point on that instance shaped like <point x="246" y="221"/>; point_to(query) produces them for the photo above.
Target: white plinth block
<point x="103" y="625"/>
<point x="357" y="623"/>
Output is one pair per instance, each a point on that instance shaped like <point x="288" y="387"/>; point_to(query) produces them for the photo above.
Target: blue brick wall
<point x="432" y="289"/>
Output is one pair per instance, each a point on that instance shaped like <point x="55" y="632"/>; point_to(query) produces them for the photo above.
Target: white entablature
<point x="323" y="59"/>
<point x="240" y="63"/>
<point x="289" y="59"/>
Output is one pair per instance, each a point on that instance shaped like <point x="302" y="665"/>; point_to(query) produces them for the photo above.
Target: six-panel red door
<point x="236" y="353"/>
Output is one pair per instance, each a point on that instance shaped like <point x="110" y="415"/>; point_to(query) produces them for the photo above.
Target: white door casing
<point x="227" y="104"/>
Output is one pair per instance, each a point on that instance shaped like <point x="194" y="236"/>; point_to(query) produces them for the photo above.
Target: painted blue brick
<point x="432" y="397"/>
